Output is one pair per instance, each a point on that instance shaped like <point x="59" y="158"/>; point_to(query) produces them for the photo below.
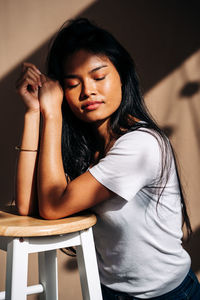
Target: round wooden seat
<point x="22" y="235"/>
<point x="11" y="224"/>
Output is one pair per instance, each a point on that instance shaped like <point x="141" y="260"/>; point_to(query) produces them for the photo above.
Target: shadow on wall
<point x="11" y="121"/>
<point x="189" y="90"/>
<point x="159" y="35"/>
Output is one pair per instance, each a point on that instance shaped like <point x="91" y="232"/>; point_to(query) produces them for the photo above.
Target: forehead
<point x="84" y="60"/>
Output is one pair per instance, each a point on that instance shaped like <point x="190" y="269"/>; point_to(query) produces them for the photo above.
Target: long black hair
<point x="78" y="141"/>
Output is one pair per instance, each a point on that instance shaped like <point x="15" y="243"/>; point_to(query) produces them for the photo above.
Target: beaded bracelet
<point x="26" y="150"/>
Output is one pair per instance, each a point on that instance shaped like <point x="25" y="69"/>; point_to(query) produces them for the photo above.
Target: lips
<point x="91" y="105"/>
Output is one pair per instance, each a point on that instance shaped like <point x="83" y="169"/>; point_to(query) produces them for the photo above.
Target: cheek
<point x="70" y="102"/>
<point x="118" y="91"/>
<point x="69" y="97"/>
<point x="73" y="103"/>
<point x="114" y="92"/>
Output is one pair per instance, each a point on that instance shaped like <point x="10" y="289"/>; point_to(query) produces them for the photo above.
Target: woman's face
<point x="92" y="86"/>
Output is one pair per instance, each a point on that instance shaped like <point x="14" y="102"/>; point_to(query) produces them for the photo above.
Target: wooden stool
<point x="21" y="235"/>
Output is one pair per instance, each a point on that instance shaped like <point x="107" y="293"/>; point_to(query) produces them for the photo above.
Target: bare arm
<point x="50" y="177"/>
<point x="56" y="198"/>
<point x="26" y="193"/>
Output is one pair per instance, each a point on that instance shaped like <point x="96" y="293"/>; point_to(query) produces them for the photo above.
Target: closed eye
<point x="71" y="86"/>
<point x="100" y="78"/>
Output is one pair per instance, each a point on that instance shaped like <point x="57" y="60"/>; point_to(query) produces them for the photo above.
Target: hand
<point x="28" y="85"/>
<point x="50" y="97"/>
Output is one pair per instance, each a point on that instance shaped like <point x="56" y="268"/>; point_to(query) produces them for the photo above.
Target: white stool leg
<point x="87" y="265"/>
<point x="16" y="270"/>
<point x="48" y="274"/>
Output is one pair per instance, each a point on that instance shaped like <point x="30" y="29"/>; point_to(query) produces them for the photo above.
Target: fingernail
<point x="39" y="72"/>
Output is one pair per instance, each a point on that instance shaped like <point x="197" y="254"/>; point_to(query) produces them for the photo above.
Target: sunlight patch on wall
<point x="175" y="90"/>
<point x="175" y="104"/>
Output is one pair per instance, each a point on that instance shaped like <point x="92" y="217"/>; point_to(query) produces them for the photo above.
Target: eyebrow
<point x="92" y="71"/>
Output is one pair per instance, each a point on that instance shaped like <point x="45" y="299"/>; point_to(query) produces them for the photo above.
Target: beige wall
<point x="26" y="25"/>
<point x="163" y="38"/>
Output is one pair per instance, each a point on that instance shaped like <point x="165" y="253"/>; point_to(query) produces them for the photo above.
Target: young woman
<point x="99" y="149"/>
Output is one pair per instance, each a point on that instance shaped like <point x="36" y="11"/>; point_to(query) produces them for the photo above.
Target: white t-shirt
<point x="138" y="242"/>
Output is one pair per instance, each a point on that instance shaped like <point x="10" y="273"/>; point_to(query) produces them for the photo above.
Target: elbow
<point x="48" y="207"/>
<point x="25" y="208"/>
<point x="47" y="213"/>
<point x="44" y="215"/>
<point x="21" y="206"/>
<point x="22" y="210"/>
<point x="47" y="216"/>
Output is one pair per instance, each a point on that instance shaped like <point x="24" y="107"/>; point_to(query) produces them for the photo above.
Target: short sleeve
<point x="132" y="163"/>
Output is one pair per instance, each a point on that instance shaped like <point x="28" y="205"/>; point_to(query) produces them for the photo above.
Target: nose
<point x="88" y="89"/>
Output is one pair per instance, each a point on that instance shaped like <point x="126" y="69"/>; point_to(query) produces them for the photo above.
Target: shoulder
<point x="142" y="140"/>
<point x="133" y="162"/>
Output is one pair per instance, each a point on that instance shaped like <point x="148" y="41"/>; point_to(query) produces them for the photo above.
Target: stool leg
<point x="87" y="265"/>
<point x="16" y="270"/>
<point x="48" y="274"/>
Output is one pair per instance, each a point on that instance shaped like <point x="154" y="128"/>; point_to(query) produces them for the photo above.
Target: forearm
<point x="51" y="177"/>
<point x="26" y="190"/>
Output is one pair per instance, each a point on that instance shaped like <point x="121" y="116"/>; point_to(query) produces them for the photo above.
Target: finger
<point x="29" y="69"/>
<point x="31" y="74"/>
<point x="26" y="83"/>
<point x="26" y="80"/>
<point x="26" y="65"/>
<point x="33" y="89"/>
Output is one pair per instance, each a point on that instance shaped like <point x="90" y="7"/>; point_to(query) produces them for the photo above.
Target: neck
<point x="102" y="135"/>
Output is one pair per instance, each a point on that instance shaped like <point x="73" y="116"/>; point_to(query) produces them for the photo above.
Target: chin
<point x="94" y="119"/>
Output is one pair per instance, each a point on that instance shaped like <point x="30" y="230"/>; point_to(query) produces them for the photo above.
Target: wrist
<point x="32" y="113"/>
<point x="57" y="115"/>
<point x="30" y="135"/>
